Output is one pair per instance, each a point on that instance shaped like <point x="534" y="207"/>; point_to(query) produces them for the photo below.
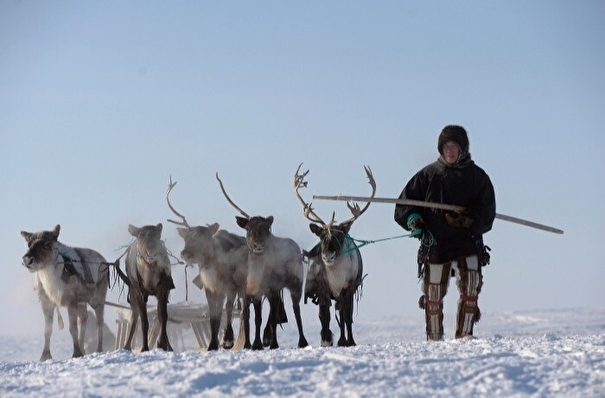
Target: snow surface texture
<point x="552" y="353"/>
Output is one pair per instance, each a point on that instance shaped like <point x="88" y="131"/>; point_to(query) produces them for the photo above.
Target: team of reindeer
<point x="251" y="268"/>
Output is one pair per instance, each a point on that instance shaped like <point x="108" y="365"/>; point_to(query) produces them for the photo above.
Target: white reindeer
<point x="336" y="269"/>
<point x="67" y="276"/>
<point x="274" y="263"/>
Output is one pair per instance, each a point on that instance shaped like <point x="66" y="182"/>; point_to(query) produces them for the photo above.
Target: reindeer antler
<point x="243" y="213"/>
<point x="299" y="182"/>
<point x="182" y="223"/>
<point x="355" y="210"/>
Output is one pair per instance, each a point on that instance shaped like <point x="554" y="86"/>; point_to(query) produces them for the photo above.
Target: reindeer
<point x="67" y="276"/>
<point x="148" y="273"/>
<point x="274" y="263"/>
<point x="222" y="260"/>
<point x="336" y="267"/>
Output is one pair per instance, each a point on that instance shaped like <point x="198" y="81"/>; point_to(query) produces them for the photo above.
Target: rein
<point x="425" y="240"/>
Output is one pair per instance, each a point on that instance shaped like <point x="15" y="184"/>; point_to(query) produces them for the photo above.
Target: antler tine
<point x="184" y="222"/>
<point x="333" y="220"/>
<point x="354" y="208"/>
<point x="299" y="182"/>
<point x="243" y="213"/>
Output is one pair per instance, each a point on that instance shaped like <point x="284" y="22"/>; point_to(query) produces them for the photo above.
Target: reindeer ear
<point x="56" y="231"/>
<point x="159" y="228"/>
<point x="182" y="232"/>
<point x="212" y="229"/>
<point x="269" y="220"/>
<point x="241" y="221"/>
<point x="316" y="229"/>
<point x="345" y="226"/>
<point x="132" y="230"/>
<point x="27" y="235"/>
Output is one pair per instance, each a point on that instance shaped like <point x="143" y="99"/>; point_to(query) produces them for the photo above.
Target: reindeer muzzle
<point x="27" y="262"/>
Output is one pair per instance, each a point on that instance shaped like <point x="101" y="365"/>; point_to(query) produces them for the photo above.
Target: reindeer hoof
<point x="213" y="346"/>
<point x="325" y="343"/>
<point x="45" y="356"/>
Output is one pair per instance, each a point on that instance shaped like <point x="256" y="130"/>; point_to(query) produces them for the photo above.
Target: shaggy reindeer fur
<point x="336" y="267"/>
<point x="274" y="263"/>
<point x="222" y="258"/>
<point x="334" y="274"/>
<point x="70" y="277"/>
<point x="149" y="274"/>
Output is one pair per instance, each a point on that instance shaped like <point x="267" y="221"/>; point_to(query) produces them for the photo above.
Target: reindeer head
<point x="42" y="248"/>
<point x="198" y="240"/>
<point x="258" y="232"/>
<point x="258" y="228"/>
<point x="152" y="256"/>
<point x="333" y="240"/>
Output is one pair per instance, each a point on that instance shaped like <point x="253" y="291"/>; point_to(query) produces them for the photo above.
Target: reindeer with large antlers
<point x="222" y="260"/>
<point x="274" y="263"/>
<point x="336" y="269"/>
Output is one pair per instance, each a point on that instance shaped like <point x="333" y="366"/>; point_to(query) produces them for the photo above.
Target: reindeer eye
<point x="47" y="245"/>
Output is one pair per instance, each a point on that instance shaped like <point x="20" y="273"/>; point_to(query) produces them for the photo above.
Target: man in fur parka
<point x="451" y="242"/>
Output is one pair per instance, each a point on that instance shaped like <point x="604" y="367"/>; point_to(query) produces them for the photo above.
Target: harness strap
<point x="363" y="242"/>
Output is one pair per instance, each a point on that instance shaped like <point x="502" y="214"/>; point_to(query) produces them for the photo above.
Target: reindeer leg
<point x="324" y="319"/>
<point x="99" y="311"/>
<point x="214" y="306"/>
<point x="144" y="324"/>
<point x="48" y="309"/>
<point x="258" y="320"/>
<point x="296" y="295"/>
<point x="134" y="318"/>
<point x="228" y="334"/>
<point x="348" y="320"/>
<point x="268" y="331"/>
<point x="83" y="316"/>
<point x="72" y="312"/>
<point x="163" y="342"/>
<point x="274" y="303"/>
<point x="341" y="306"/>
<point x="246" y="319"/>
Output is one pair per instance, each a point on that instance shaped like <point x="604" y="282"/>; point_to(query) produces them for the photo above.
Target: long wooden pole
<point x="432" y="205"/>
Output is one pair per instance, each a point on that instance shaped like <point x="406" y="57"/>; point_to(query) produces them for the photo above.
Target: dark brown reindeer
<point x="274" y="263"/>
<point x="149" y="274"/>
<point x="222" y="260"/>
<point x="70" y="277"/>
<point x="336" y="268"/>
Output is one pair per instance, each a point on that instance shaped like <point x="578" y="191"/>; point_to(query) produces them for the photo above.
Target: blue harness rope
<point x="425" y="240"/>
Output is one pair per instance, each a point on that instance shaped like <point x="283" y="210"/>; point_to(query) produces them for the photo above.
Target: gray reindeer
<point x="67" y="276"/>
<point x="274" y="263"/>
<point x="222" y="260"/>
<point x="336" y="268"/>
<point x="148" y="273"/>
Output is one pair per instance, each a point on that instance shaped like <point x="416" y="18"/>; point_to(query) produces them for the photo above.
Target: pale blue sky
<point x="100" y="102"/>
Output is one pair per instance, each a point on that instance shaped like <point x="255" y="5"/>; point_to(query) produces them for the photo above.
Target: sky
<point x="553" y="353"/>
<point x="100" y="103"/>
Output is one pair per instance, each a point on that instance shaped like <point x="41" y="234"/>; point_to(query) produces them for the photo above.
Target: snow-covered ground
<point x="549" y="353"/>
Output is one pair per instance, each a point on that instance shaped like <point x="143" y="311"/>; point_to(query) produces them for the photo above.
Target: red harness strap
<point x="469" y="298"/>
